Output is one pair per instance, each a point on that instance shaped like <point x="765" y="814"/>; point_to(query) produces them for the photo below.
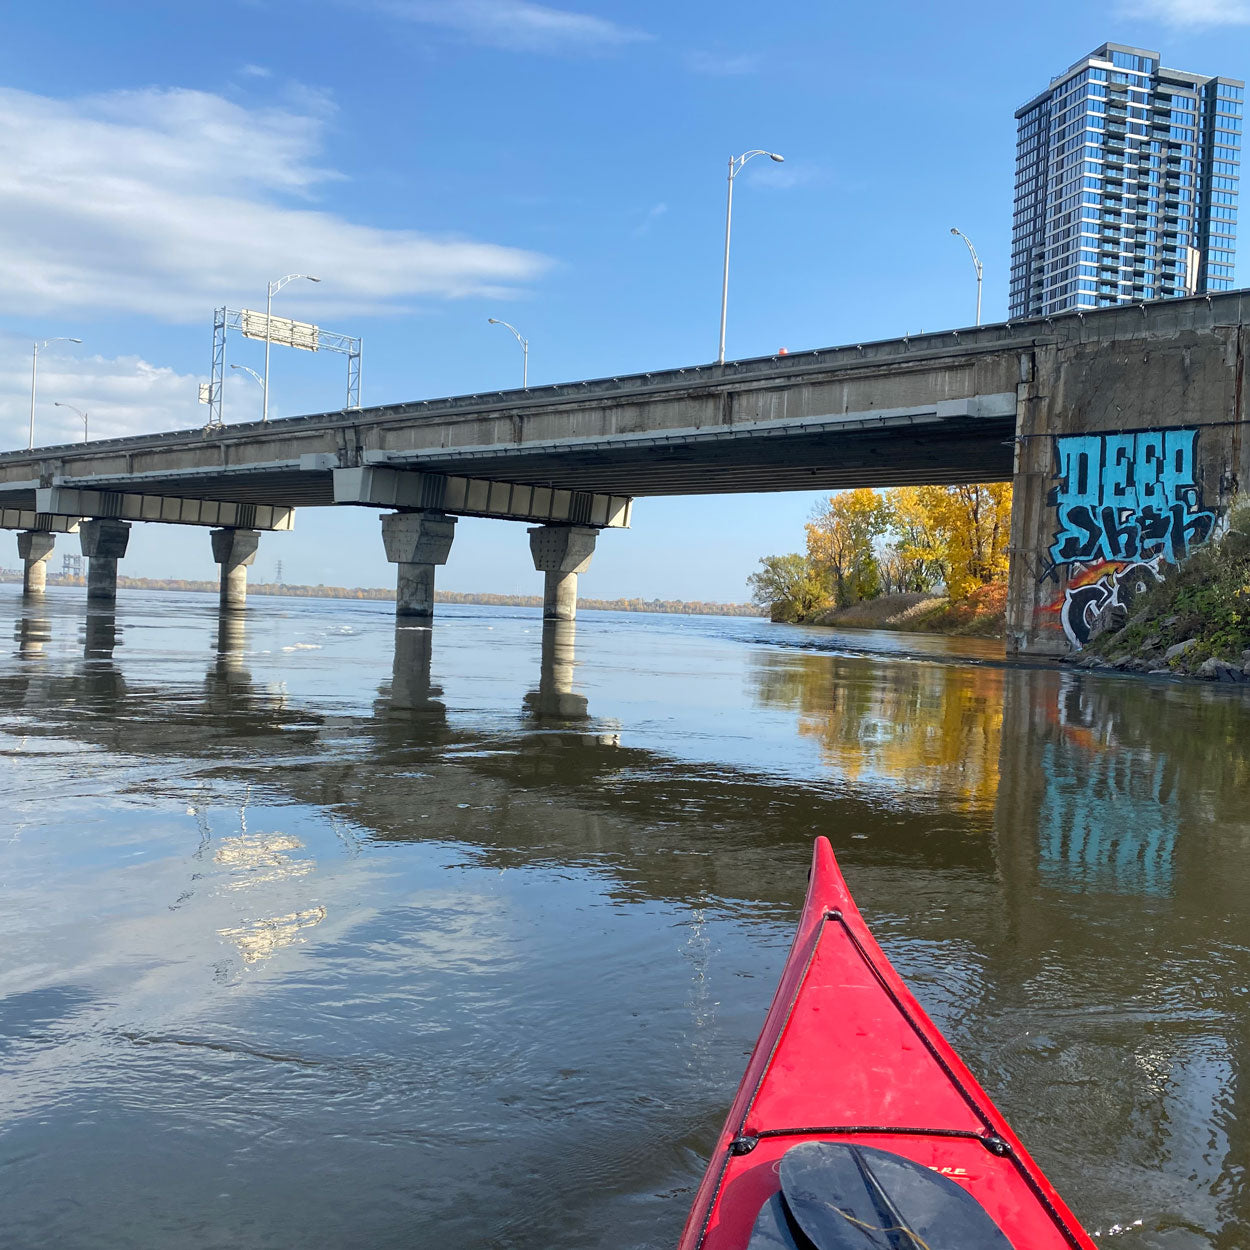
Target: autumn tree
<point x="842" y="539"/>
<point x="956" y="533"/>
<point x="788" y="587"/>
<point x="913" y="560"/>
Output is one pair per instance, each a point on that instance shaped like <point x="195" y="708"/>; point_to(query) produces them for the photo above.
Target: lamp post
<point x="56" y="403"/>
<point x="39" y="345"/>
<point x="273" y="288"/>
<point x="525" y="349"/>
<point x="259" y="380"/>
<point x="976" y="261"/>
<point x="735" y="168"/>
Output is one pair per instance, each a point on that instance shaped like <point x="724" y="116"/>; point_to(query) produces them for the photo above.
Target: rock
<point x="1152" y="643"/>
<point x="1245" y="657"/>
<point x="1219" y="670"/>
<point x="1179" y="649"/>
<point x="1165" y="671"/>
<point x="1168" y="622"/>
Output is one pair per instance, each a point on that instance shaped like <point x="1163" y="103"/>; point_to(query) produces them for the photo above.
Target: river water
<point x="319" y="933"/>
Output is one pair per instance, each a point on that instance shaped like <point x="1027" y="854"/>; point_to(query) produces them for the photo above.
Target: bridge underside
<point x="943" y="452"/>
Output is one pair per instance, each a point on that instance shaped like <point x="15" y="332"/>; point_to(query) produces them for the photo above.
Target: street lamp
<point x="259" y="380"/>
<point x="976" y="260"/>
<point x="735" y="167"/>
<point x="525" y="350"/>
<point x="274" y="287"/>
<point x="56" y="403"/>
<point x="39" y="345"/>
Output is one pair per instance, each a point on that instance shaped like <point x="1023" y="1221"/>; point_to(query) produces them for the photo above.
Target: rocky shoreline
<point x="1158" y="661"/>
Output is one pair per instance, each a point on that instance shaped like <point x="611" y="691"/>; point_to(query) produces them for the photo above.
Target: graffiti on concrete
<point x="1099" y="597"/>
<point x="1126" y="504"/>
<point x="1130" y="496"/>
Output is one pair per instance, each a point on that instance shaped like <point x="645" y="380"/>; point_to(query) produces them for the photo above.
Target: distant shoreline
<point x="675" y="607"/>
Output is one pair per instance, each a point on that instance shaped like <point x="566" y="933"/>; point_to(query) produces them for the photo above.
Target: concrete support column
<point x="103" y="543"/>
<point x="562" y="552"/>
<point x="417" y="542"/>
<point x="34" y="547"/>
<point x="234" y="550"/>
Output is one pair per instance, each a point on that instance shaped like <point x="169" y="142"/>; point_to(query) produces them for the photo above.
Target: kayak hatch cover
<point x="856" y="1126"/>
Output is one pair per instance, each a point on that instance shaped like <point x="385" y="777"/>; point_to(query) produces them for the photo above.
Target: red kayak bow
<point x="857" y="1126"/>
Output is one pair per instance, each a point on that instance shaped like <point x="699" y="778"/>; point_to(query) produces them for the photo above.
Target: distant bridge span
<point x="975" y="405"/>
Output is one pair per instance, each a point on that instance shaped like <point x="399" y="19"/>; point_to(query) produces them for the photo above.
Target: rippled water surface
<point x="316" y="932"/>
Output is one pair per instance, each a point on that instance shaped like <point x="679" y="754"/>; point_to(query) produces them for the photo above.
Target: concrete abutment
<point x="1128" y="455"/>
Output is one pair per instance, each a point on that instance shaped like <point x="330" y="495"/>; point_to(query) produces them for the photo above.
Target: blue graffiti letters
<point x="1131" y="496"/>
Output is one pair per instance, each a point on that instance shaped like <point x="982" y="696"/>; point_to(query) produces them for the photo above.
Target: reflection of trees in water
<point x="925" y="729"/>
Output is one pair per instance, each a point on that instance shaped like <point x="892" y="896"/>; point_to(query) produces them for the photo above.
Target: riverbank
<point x="982" y="614"/>
<point x="672" y="607"/>
<point x="1195" y="622"/>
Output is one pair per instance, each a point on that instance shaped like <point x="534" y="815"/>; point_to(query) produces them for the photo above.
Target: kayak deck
<point x="848" y="1055"/>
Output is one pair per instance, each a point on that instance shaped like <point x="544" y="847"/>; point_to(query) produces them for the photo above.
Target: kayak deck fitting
<point x="857" y="1126"/>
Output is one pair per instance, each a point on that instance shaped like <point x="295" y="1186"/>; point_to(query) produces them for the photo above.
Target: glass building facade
<point x="1126" y="185"/>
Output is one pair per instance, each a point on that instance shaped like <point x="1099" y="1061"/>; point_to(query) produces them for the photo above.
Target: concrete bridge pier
<point x="34" y="547"/>
<point x="234" y="550"/>
<point x="417" y="542"/>
<point x="561" y="552"/>
<point x="103" y="543"/>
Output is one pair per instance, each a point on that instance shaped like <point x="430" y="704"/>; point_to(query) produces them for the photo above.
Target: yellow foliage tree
<point x="841" y="544"/>
<point x="960" y="531"/>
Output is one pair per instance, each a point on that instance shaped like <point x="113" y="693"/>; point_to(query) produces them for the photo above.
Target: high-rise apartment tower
<point x="1126" y="185"/>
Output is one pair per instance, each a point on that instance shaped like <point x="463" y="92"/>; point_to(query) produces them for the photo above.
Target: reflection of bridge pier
<point x="413" y="692"/>
<point x="228" y="683"/>
<point x="554" y="699"/>
<point x="32" y="633"/>
<point x="1122" y="853"/>
<point x="99" y="635"/>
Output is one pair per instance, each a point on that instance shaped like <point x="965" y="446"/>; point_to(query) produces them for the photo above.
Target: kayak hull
<point x="848" y="1055"/>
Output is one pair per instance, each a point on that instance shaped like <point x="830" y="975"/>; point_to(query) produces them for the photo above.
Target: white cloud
<point x="723" y="65"/>
<point x="652" y="215"/>
<point x="1192" y="13"/>
<point x="171" y="202"/>
<point x="771" y="176"/>
<point x="516" y="24"/>
<point x="120" y="395"/>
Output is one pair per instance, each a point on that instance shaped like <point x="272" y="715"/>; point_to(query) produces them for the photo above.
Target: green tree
<point x="788" y="587"/>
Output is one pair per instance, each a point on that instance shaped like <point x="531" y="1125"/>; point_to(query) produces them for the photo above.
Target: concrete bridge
<point x="1120" y="429"/>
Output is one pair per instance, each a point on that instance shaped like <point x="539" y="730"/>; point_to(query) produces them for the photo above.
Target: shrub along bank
<point x="1194" y="623"/>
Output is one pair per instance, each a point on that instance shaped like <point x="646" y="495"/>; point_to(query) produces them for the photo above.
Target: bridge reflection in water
<point x="1054" y="860"/>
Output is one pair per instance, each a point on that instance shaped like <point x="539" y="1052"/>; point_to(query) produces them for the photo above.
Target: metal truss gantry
<point x="255" y="325"/>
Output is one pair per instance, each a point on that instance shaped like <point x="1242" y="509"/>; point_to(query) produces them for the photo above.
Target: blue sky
<point x="560" y="166"/>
